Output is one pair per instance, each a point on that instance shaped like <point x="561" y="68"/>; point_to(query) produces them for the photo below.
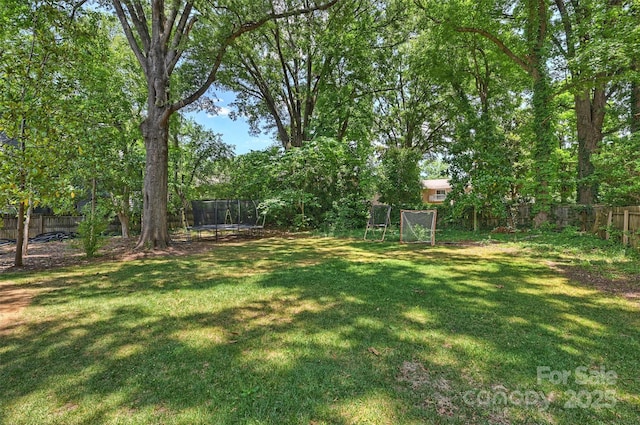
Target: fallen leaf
<point x="374" y="351"/>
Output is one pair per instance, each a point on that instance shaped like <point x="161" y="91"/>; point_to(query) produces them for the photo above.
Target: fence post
<point x="625" y="229"/>
<point x="609" y="223"/>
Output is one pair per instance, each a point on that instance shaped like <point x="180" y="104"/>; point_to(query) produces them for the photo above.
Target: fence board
<point x="620" y="222"/>
<point x="39" y="224"/>
<point x="44" y="223"/>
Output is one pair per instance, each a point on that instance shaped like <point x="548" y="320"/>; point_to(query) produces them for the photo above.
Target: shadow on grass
<point x="312" y="331"/>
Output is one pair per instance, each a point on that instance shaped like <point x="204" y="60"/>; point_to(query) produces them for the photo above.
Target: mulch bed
<point x="49" y="255"/>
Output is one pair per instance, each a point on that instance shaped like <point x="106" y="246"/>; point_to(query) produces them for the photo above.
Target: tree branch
<point x="265" y="92"/>
<point x="568" y="29"/>
<point x="140" y="55"/>
<point x="182" y="30"/>
<point x="243" y="28"/>
<point x="136" y="12"/>
<point x="522" y="63"/>
<point x="168" y="24"/>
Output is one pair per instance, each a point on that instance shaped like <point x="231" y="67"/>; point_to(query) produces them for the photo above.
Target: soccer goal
<point x="418" y="226"/>
<point x="379" y="218"/>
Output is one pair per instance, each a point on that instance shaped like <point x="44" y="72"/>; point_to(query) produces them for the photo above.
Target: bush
<point x="324" y="182"/>
<point x="91" y="231"/>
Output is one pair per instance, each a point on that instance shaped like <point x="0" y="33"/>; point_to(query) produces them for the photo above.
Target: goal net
<point x="418" y="226"/>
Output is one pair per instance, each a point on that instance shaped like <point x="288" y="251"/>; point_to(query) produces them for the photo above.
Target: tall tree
<point x="479" y="92"/>
<point x="588" y="40"/>
<point x="520" y="31"/>
<point x="284" y="70"/>
<point x="408" y="110"/>
<point x="109" y="100"/>
<point x="164" y="37"/>
<point x="40" y="48"/>
<point x="193" y="153"/>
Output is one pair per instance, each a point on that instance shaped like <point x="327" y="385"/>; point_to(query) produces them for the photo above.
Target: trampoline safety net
<point x="226" y="215"/>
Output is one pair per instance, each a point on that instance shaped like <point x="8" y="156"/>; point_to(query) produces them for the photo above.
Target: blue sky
<point x="233" y="132"/>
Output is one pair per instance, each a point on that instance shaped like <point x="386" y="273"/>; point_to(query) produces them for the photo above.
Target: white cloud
<point x="223" y="111"/>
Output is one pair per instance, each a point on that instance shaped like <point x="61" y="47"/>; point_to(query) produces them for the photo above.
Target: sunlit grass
<point x="317" y="330"/>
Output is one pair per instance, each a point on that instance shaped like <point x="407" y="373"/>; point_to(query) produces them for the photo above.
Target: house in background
<point x="434" y="191"/>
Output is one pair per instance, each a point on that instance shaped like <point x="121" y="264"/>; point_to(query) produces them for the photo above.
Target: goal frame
<point x="434" y="216"/>
<point x="372" y="224"/>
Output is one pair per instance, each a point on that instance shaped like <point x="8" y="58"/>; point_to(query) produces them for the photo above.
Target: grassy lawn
<point x="325" y="331"/>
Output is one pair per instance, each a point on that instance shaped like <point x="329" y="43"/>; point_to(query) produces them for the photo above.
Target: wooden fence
<point x="45" y="223"/>
<point x="39" y="224"/>
<point x="622" y="223"/>
<point x="561" y="216"/>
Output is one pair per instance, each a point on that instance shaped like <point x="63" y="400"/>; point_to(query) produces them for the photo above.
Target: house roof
<point x="436" y="184"/>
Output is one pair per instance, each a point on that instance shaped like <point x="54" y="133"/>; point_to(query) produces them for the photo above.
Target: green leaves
<point x="399" y="177"/>
<point x="322" y="182"/>
<point x="306" y="76"/>
<point x="618" y="171"/>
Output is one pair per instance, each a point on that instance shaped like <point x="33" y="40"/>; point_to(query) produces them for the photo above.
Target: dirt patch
<point x="627" y="287"/>
<point x="51" y="255"/>
<point x="439" y="389"/>
<point x="14" y="299"/>
<point x="415" y="374"/>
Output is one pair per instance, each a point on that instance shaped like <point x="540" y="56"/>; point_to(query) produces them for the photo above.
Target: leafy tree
<point x="287" y="69"/>
<point x="588" y="40"/>
<point x="478" y="93"/>
<point x="618" y="170"/>
<point x="408" y="109"/>
<point x="109" y="101"/>
<point x="325" y="181"/>
<point x="39" y="52"/>
<point x="520" y="32"/>
<point x="433" y="168"/>
<point x="192" y="154"/>
<point x="167" y="38"/>
<point x="399" y="177"/>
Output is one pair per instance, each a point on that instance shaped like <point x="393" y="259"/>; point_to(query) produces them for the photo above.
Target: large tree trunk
<point x="155" y="131"/>
<point x="589" y="120"/>
<point x="155" y="232"/>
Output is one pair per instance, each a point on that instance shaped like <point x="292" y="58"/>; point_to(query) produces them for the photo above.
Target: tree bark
<point x="155" y="231"/>
<point x="20" y="236"/>
<point x="124" y="224"/>
<point x="155" y="132"/>
<point x="635" y="102"/>
<point x="27" y="223"/>
<point x="590" y="112"/>
<point x="122" y="211"/>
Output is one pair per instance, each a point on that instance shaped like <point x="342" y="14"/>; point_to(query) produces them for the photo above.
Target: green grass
<point x="321" y="331"/>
